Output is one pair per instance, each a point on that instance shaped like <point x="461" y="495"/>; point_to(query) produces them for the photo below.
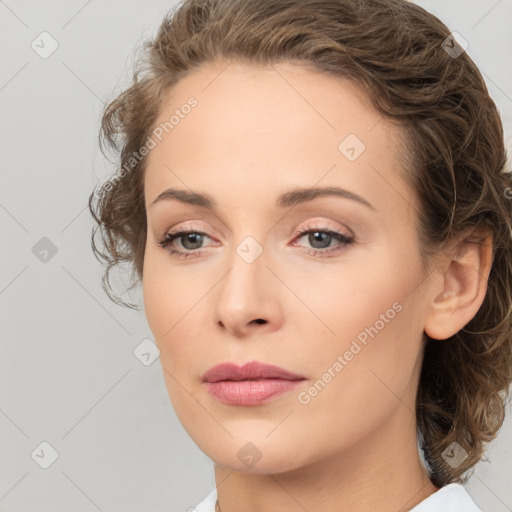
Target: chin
<point x="260" y="456"/>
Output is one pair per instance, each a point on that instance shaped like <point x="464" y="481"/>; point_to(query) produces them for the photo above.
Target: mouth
<point x="254" y="383"/>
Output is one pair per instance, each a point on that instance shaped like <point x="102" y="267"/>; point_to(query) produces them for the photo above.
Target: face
<point x="327" y="286"/>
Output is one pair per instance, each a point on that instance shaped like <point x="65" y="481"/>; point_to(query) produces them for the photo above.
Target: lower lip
<point x="250" y="392"/>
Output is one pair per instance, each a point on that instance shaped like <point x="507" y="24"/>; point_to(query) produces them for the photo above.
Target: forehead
<point x="246" y="100"/>
<point x="276" y="126"/>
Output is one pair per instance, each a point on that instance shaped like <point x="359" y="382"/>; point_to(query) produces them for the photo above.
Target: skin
<point x="258" y="132"/>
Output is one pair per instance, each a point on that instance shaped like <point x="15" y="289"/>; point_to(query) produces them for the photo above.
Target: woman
<point x="313" y="195"/>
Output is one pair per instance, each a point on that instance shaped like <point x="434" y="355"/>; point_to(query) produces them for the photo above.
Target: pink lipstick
<point x="253" y="383"/>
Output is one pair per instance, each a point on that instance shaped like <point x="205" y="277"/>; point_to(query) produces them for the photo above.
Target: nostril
<point x="260" y="321"/>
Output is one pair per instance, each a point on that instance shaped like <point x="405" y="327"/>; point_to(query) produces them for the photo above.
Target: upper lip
<point x="249" y="371"/>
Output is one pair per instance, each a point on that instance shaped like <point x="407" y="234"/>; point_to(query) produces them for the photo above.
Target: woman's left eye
<point x="319" y="238"/>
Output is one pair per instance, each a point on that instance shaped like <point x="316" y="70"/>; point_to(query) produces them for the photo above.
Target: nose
<point x="248" y="298"/>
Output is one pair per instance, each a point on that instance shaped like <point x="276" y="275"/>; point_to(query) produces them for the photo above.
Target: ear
<point x="460" y="291"/>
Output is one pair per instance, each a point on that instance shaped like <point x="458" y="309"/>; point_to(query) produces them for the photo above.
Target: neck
<point x="381" y="472"/>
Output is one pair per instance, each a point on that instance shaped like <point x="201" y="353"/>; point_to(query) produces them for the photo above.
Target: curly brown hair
<point x="399" y="54"/>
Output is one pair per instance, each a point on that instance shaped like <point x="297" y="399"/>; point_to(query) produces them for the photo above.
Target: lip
<point x="253" y="383"/>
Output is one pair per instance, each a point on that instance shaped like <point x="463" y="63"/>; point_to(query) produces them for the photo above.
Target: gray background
<point x="68" y="372"/>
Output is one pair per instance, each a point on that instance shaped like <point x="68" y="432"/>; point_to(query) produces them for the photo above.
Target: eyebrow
<point x="285" y="200"/>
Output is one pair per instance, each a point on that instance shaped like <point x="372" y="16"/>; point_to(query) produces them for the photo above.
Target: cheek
<point x="350" y="398"/>
<point x="376" y="348"/>
<point x="168" y="303"/>
<point x="173" y="301"/>
<point x="166" y="297"/>
<point x="374" y="327"/>
<point x="345" y="301"/>
<point x="166" y="294"/>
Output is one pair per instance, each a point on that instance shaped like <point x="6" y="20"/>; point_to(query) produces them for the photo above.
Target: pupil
<point x="194" y="238"/>
<point x="318" y="236"/>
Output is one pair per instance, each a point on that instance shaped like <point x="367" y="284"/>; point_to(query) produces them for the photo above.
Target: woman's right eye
<point x="191" y="242"/>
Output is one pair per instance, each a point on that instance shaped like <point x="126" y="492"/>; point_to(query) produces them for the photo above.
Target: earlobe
<point x="463" y="286"/>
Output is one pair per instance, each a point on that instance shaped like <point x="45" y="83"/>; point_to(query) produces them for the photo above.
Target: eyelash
<point x="173" y="234"/>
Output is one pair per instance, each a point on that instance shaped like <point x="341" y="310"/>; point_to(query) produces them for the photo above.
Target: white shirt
<point x="451" y="498"/>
